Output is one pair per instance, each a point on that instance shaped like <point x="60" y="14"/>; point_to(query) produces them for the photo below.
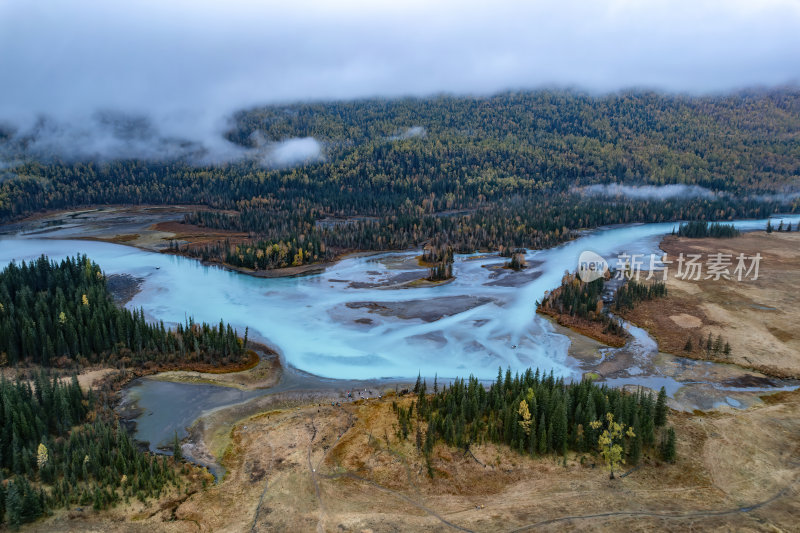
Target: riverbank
<point x="151" y="228"/>
<point x="583" y="326"/>
<point x="260" y="373"/>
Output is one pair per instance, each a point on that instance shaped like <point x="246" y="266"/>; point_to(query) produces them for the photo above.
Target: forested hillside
<point x="478" y="173"/>
<point x="62" y="314"/>
<point x="53" y="456"/>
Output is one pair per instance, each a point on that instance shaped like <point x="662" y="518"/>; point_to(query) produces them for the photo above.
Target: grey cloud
<point x="786" y="196"/>
<point x="185" y="65"/>
<point x="294" y="151"/>
<point x="113" y="135"/>
<point x="413" y="131"/>
<point x="110" y="135"/>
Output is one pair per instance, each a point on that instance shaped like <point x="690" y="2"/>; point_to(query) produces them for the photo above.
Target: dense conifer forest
<point x="59" y="447"/>
<point x="536" y="415"/>
<point x="62" y="314"/>
<point x="634" y="291"/>
<point x="698" y="229"/>
<point x="55" y="452"/>
<point x="511" y="170"/>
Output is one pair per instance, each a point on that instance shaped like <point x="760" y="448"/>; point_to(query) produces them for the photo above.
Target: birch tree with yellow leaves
<point x="610" y="441"/>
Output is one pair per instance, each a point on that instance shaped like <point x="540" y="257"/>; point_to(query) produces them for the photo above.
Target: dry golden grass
<point x="758" y="318"/>
<point x="323" y="468"/>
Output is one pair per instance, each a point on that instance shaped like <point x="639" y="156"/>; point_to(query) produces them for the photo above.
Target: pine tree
<point x="668" y="452"/>
<point x="661" y="408"/>
<point x="718" y="345"/>
<point x="14" y="505"/>
<point x="542" y="438"/>
<point x="177" y="453"/>
<point x="2" y="499"/>
<point x="636" y="450"/>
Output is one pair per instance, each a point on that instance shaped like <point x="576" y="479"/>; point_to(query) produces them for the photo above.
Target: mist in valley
<point x="90" y="80"/>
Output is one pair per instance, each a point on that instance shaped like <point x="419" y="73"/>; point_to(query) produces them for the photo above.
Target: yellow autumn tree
<point x="610" y="440"/>
<point x="85" y="300"/>
<point x="525" y="414"/>
<point x="41" y="456"/>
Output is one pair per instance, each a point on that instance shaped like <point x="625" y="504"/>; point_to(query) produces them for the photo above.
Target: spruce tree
<point x="636" y="447"/>
<point x="661" y="408"/>
<point x="177" y="453"/>
<point x="668" y="451"/>
<point x="718" y="345"/>
<point x="2" y="499"/>
<point x="13" y="505"/>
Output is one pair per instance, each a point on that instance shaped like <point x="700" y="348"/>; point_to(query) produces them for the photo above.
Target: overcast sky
<point x="177" y="57"/>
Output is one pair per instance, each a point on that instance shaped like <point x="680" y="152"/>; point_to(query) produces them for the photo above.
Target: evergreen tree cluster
<point x="708" y="347"/>
<point x="61" y="313"/>
<point x="534" y="414"/>
<point x="442" y="259"/>
<point x="633" y="291"/>
<point x="781" y="227"/>
<point x="517" y="256"/>
<point x="584" y="300"/>
<point x="700" y="228"/>
<point x="54" y="457"/>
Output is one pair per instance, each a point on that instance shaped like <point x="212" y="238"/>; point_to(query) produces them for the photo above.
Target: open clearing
<point x="758" y="318"/>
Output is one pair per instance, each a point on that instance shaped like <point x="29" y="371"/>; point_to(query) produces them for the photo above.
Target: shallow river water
<point x="308" y="321"/>
<point x="354" y="322"/>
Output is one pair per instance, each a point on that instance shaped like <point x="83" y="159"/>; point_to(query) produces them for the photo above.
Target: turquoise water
<point x="307" y="319"/>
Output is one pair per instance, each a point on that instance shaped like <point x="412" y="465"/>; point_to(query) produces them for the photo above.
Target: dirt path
<point x="696" y="514"/>
<point x="400" y="496"/>
<point x="266" y="487"/>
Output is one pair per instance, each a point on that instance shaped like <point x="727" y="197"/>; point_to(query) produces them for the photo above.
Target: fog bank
<point x="647" y="192"/>
<point x="185" y="66"/>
